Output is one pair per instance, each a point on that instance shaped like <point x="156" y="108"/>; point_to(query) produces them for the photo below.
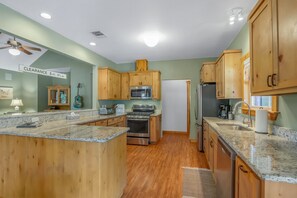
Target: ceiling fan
<point x="16" y="47"/>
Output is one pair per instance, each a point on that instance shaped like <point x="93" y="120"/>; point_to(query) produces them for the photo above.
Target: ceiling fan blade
<point x="24" y="50"/>
<point x="31" y="48"/>
<point x="5" y="47"/>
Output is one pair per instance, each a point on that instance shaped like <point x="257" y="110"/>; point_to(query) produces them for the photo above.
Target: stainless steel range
<point x="139" y="123"/>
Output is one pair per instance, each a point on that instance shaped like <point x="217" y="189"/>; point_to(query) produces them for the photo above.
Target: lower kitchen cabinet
<point x="247" y="183"/>
<point x="155" y="128"/>
<point x="206" y="140"/>
<point x="113" y="122"/>
<point x="213" y="147"/>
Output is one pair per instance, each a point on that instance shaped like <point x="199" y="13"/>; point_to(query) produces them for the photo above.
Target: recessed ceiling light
<point x="151" y="39"/>
<point x="45" y="15"/>
<point x="92" y="44"/>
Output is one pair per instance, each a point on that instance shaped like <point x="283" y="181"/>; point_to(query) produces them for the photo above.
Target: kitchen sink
<point x="233" y="127"/>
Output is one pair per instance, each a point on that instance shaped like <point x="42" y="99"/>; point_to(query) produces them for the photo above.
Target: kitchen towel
<point x="261" y="121"/>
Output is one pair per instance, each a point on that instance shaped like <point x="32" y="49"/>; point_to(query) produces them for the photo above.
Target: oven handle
<point x="138" y="119"/>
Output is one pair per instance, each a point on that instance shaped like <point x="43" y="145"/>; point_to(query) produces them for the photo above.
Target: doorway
<point x="176" y="106"/>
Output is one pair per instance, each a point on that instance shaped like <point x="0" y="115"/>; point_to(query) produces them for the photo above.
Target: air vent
<point x="98" y="34"/>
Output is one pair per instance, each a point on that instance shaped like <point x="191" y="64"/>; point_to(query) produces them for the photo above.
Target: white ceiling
<point x="10" y="62"/>
<point x="191" y="28"/>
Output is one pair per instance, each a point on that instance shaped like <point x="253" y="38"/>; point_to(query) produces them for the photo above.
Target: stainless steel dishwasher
<point x="225" y="170"/>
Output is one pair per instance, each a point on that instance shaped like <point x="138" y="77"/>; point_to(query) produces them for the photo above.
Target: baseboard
<point x="175" y="132"/>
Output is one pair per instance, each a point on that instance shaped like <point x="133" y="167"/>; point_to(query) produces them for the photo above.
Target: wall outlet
<point x="35" y="119"/>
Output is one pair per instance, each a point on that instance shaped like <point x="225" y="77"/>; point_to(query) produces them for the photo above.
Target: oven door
<point x="138" y="128"/>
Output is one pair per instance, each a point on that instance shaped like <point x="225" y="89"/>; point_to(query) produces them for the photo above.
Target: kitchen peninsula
<point x="63" y="159"/>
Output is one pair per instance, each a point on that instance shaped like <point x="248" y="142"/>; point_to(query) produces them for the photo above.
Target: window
<point x="256" y="102"/>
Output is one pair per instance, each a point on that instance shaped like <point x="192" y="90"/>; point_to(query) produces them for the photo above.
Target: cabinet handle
<point x="269" y="80"/>
<point x="242" y="169"/>
<point x="273" y="80"/>
<point x="211" y="144"/>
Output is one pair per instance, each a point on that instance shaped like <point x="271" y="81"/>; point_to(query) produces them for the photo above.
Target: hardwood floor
<point x="156" y="170"/>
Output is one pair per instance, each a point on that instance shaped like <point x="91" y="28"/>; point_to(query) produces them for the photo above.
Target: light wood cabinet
<point x="141" y="65"/>
<point x="247" y="183"/>
<point x="120" y="121"/>
<point x="206" y="140"/>
<point x="213" y="147"/>
<point x="59" y="97"/>
<point x="273" y="46"/>
<point x="141" y="78"/>
<point x="229" y="75"/>
<point x="156" y="85"/>
<point x="109" y="84"/>
<point x="149" y="78"/>
<point x="125" y="88"/>
<point x="155" y="128"/>
<point x="208" y="72"/>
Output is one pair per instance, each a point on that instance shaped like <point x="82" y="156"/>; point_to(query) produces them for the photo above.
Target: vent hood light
<point x="45" y="15"/>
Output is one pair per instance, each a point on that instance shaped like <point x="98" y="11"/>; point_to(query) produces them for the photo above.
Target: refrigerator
<point x="207" y="106"/>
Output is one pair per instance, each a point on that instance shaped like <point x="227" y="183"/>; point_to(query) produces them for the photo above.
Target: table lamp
<point x="16" y="103"/>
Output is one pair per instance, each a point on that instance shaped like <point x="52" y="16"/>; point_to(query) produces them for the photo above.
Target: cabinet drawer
<point x="101" y="123"/>
<point x="112" y="121"/>
<point x="91" y="124"/>
<point x="119" y="124"/>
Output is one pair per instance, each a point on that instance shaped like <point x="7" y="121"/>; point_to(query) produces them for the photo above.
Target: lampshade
<point x="16" y="102"/>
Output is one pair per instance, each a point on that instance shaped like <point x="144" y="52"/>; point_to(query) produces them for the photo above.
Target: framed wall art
<point x="6" y="92"/>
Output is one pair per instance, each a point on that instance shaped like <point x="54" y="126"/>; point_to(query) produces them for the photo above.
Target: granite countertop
<point x="271" y="157"/>
<point x="71" y="130"/>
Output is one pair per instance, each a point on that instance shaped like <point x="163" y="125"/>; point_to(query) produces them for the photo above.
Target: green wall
<point x="24" y="87"/>
<point x="174" y="70"/>
<point x="80" y="72"/>
<point x="287" y="103"/>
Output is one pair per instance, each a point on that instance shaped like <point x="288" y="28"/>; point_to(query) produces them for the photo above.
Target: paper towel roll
<point x="261" y="121"/>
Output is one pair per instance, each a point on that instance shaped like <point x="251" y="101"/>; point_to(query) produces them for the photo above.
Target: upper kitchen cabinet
<point x="273" y="47"/>
<point x="156" y="85"/>
<point x="208" y="72"/>
<point x="148" y="78"/>
<point x="141" y="78"/>
<point x="229" y="75"/>
<point x="125" y="89"/>
<point x="109" y="84"/>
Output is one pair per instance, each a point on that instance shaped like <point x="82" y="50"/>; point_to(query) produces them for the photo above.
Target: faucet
<point x="249" y="108"/>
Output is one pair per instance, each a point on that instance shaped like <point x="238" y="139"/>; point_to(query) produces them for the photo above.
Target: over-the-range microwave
<point x="141" y="93"/>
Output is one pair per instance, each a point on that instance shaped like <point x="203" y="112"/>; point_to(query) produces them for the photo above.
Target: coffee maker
<point x="223" y="111"/>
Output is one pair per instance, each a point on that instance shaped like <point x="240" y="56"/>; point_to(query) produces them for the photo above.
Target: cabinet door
<point x="286" y="69"/>
<point x="156" y="85"/>
<point x="135" y="79"/>
<point x="114" y="85"/>
<point x="155" y="128"/>
<point x="247" y="184"/>
<point x="206" y="140"/>
<point x="125" y="90"/>
<point x="147" y="78"/>
<point x="261" y="48"/>
<point x="211" y="154"/>
<point x="220" y="77"/>
<point x="208" y="73"/>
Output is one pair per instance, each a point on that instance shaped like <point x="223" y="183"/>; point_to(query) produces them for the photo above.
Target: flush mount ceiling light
<point x="14" y="51"/>
<point x="151" y="39"/>
<point x="45" y="15"/>
<point x="92" y="44"/>
<point x="235" y="15"/>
